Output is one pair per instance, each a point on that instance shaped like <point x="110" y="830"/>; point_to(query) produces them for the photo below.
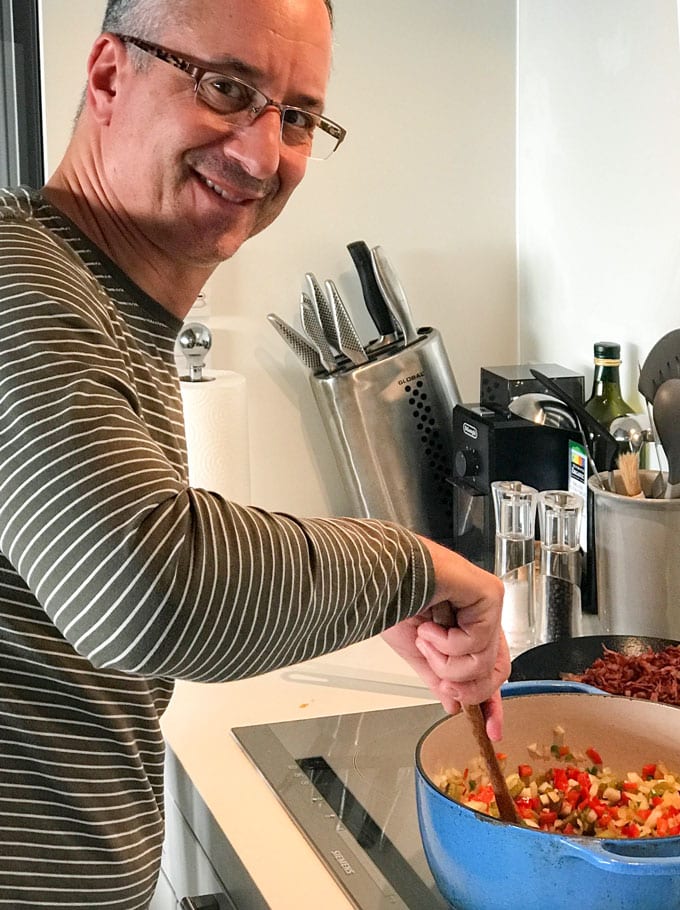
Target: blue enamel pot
<point x="480" y="863"/>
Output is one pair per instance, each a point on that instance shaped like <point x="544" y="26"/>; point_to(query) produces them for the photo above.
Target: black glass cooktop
<point x="348" y="783"/>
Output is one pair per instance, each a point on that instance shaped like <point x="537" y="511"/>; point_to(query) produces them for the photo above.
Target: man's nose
<point x="257" y="146"/>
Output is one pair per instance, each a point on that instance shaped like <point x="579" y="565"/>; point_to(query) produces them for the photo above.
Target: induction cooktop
<point x="348" y="783"/>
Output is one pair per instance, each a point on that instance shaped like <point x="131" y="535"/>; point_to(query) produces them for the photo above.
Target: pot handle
<point x="651" y="856"/>
<point x="546" y="686"/>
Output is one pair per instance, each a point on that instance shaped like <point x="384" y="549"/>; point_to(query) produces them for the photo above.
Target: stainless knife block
<point x="390" y="426"/>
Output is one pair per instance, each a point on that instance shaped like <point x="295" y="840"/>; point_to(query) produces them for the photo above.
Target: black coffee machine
<point x="492" y="443"/>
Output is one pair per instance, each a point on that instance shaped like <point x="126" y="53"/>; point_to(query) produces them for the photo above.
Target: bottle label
<point x="604" y="362"/>
<point x="578" y="483"/>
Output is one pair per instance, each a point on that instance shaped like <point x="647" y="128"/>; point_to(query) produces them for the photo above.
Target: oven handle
<point x="208" y="902"/>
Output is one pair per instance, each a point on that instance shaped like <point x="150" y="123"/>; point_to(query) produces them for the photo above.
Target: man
<point x="116" y="577"/>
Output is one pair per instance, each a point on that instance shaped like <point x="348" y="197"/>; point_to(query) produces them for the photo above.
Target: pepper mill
<point x="559" y="592"/>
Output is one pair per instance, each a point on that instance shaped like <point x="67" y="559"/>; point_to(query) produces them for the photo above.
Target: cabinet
<point x="197" y="857"/>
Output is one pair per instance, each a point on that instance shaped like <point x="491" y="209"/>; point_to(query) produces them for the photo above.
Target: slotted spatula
<point x="662" y="363"/>
<point x="667" y="421"/>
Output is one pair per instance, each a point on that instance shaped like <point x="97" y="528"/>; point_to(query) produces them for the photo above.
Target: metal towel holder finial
<point x="195" y="340"/>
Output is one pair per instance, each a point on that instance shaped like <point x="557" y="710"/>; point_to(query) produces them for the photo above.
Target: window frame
<point x="21" y="126"/>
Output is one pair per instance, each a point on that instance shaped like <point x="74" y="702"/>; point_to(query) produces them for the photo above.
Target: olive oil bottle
<point x="606" y="401"/>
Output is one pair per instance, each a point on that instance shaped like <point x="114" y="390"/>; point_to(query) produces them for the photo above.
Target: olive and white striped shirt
<point x="117" y="577"/>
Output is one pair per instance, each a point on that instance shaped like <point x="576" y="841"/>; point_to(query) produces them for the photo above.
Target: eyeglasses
<point x="304" y="132"/>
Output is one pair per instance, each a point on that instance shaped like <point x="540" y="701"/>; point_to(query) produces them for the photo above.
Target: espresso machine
<point x="491" y="442"/>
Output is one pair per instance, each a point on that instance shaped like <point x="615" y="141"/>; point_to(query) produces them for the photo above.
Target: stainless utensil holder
<point x="390" y="426"/>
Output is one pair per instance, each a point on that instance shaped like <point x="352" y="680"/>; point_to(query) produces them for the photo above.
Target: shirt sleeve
<point x="139" y="571"/>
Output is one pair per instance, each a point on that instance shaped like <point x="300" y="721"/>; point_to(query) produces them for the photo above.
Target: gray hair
<point x="145" y="18"/>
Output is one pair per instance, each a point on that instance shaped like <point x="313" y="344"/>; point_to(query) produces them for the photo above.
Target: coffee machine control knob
<point x="466" y="463"/>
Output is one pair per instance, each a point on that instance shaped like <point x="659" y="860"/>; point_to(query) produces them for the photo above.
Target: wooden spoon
<point x="506" y="804"/>
<point x="444" y="615"/>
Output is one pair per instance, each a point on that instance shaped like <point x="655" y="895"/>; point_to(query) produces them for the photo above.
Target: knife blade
<point x="348" y="338"/>
<point x="323" y="310"/>
<point x="313" y="328"/>
<point x="373" y="296"/>
<point x="393" y="293"/>
<point x="299" y="345"/>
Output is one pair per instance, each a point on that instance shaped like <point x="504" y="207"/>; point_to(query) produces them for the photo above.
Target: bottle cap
<point x="607" y="350"/>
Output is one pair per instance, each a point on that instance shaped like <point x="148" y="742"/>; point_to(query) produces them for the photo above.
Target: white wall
<point x="428" y="171"/>
<point x="598" y="178"/>
<point x="427" y="92"/>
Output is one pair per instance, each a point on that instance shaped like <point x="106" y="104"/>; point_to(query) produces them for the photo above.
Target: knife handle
<point x="375" y="302"/>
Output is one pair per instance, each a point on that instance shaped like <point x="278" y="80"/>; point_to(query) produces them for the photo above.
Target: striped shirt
<point x="117" y="577"/>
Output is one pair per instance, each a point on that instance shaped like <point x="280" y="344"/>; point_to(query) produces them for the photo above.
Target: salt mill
<point x="559" y="592"/>
<point x="515" y="509"/>
<point x="195" y="340"/>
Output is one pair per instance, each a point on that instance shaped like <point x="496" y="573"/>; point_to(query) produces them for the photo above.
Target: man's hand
<point x="466" y="663"/>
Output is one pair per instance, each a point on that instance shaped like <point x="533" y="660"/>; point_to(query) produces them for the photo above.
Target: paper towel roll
<point x="216" y="422"/>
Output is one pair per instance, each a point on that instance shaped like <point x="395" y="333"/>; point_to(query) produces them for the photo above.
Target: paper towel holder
<point x="195" y="340"/>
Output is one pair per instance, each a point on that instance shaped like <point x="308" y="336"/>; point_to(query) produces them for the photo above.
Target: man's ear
<point x="103" y="73"/>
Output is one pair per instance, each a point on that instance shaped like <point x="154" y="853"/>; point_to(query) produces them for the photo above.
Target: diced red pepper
<point x="525" y="770"/>
<point x="524" y="808"/>
<point x="631" y="830"/>
<point x="547" y="818"/>
<point x="583" y="779"/>
<point x="630" y="786"/>
<point x="484" y="795"/>
<point x="594" y="756"/>
<point x="572" y="795"/>
<point x="560" y="779"/>
<point x="648" y="772"/>
<point x="597" y="806"/>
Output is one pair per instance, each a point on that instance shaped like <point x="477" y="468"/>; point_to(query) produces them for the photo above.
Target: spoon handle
<point x="506" y="805"/>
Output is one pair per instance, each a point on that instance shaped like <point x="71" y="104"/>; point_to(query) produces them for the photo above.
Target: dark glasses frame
<point x="255" y="100"/>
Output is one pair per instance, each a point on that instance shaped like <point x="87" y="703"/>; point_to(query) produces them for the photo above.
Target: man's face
<point x="193" y="184"/>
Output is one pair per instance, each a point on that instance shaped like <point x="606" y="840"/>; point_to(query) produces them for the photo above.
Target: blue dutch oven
<point x="481" y="863"/>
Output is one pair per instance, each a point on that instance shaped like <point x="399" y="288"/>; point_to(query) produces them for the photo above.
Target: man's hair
<point x="145" y="18"/>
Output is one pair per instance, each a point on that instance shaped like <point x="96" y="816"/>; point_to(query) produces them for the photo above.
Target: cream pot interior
<point x="626" y="733"/>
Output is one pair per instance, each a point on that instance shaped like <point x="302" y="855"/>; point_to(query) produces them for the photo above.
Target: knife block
<point x="389" y="425"/>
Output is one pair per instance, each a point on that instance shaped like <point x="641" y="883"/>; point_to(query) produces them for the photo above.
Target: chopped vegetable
<point x="570" y="798"/>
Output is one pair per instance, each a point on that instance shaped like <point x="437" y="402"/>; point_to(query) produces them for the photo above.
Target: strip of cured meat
<point x="654" y="675"/>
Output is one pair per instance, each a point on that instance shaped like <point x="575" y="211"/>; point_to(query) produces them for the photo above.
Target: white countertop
<point x="197" y="726"/>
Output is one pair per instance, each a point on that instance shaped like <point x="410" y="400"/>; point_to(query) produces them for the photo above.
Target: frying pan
<point x="574" y="655"/>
